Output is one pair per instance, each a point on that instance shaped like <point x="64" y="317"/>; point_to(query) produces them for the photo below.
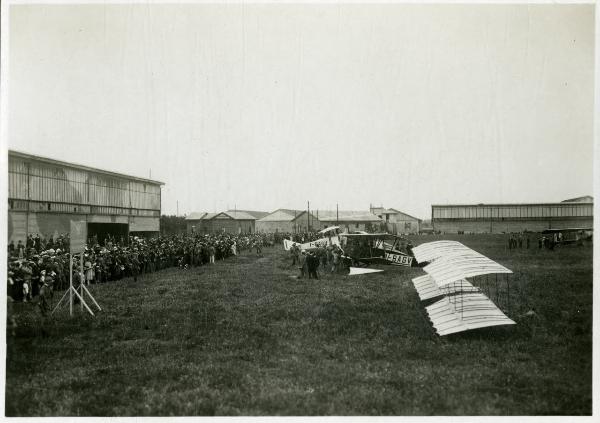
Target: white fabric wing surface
<point x="447" y="270"/>
<point x="452" y="261"/>
<point x="436" y="249"/>
<point x="427" y="288"/>
<point x="464" y="307"/>
<point x="467" y="312"/>
<point x="362" y="271"/>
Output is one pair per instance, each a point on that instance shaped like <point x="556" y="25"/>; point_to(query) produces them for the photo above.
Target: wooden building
<point x="44" y="195"/>
<point x="350" y="220"/>
<point x="233" y="222"/>
<point x="398" y="222"/>
<point x="288" y="221"/>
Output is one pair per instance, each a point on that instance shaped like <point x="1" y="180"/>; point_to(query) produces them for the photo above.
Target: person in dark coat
<point x="312" y="262"/>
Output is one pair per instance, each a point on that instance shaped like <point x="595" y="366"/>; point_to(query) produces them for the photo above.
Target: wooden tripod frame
<point x="73" y="292"/>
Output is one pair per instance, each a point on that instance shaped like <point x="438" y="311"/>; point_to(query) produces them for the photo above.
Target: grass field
<point x="244" y="337"/>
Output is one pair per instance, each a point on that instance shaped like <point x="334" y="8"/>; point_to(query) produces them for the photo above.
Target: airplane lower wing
<point x="470" y="311"/>
<point x="428" y="289"/>
<point x="362" y="271"/>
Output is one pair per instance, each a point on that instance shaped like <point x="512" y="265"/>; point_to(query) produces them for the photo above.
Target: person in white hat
<point x="88" y="269"/>
<point x="45" y="293"/>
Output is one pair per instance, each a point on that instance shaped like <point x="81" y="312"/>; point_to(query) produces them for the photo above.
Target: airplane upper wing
<point x="372" y="236"/>
<point x="331" y="228"/>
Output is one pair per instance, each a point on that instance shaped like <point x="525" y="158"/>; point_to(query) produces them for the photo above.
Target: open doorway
<point x="103" y="231"/>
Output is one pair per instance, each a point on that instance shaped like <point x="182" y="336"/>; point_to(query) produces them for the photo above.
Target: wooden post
<point x="81" y="279"/>
<point x="70" y="285"/>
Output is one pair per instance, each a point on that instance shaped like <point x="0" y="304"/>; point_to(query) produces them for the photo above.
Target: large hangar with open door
<point x="44" y="195"/>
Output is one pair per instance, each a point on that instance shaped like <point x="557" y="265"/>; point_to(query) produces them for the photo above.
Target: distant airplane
<point x="566" y="236"/>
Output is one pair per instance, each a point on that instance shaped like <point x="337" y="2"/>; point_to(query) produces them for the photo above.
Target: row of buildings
<point x="295" y="221"/>
<point x="454" y="218"/>
<point x="45" y="195"/>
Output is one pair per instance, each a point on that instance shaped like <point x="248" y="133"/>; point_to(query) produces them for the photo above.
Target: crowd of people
<point x="517" y="240"/>
<point x="329" y="258"/>
<point x="38" y="268"/>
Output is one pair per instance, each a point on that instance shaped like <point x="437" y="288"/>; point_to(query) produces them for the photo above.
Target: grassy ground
<point x="244" y="337"/>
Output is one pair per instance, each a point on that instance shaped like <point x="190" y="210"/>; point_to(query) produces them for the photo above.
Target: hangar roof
<point x="55" y="162"/>
<point x="235" y="215"/>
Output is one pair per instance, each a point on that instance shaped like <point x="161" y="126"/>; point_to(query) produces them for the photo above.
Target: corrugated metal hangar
<point x="44" y="195"/>
<point x="503" y="218"/>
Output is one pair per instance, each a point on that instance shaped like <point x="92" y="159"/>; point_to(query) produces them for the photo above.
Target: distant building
<point x="350" y="221"/>
<point x="584" y="199"/>
<point x="44" y="195"/>
<point x="500" y="218"/>
<point x="397" y="222"/>
<point x="288" y="221"/>
<point x="256" y="214"/>
<point x="425" y="227"/>
<point x="233" y="222"/>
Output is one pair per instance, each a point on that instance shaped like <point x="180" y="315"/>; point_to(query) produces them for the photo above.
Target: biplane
<point x="329" y="237"/>
<point x="566" y="236"/>
<point x="362" y="249"/>
<point x="462" y="283"/>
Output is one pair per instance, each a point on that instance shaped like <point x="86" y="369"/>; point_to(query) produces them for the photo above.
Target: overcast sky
<point x="268" y="106"/>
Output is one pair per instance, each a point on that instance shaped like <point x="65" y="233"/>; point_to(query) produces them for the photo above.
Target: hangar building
<point x="44" y="195"/>
<point x="503" y="218"/>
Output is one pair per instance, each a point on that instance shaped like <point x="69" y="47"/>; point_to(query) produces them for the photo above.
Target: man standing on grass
<point x="302" y="264"/>
<point x="211" y="253"/>
<point x="295" y="251"/>
<point x="258" y="245"/>
<point x="322" y="256"/>
<point x="336" y="259"/>
<point x="520" y="240"/>
<point x="312" y="262"/>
